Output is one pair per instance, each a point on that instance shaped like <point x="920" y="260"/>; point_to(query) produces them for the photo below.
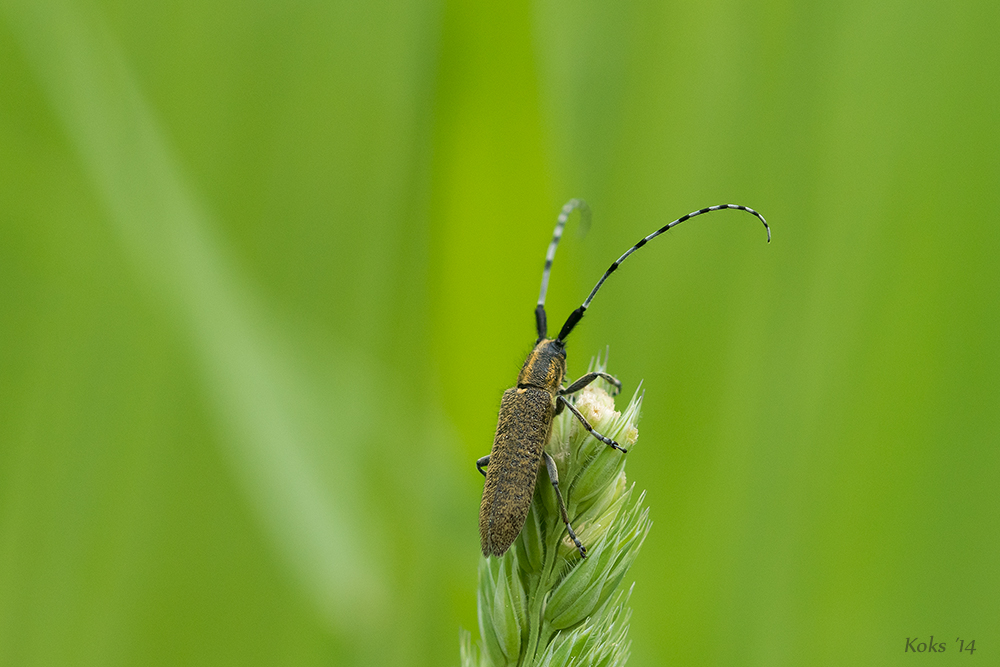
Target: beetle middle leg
<point x="590" y="429"/>
<point x="481" y="462"/>
<point x="584" y="380"/>
<point x="550" y="465"/>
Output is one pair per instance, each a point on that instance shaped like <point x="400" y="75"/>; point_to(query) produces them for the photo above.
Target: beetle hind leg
<point x="550" y="466"/>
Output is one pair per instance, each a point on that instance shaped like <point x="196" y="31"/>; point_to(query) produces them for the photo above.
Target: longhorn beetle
<point x="527" y="410"/>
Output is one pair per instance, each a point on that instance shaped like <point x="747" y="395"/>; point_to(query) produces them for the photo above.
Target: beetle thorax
<point x="545" y="367"/>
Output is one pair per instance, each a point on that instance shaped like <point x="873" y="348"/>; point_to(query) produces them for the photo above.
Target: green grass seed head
<point x="540" y="603"/>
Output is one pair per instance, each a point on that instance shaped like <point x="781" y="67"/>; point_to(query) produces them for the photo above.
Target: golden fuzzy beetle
<point x="527" y="410"/>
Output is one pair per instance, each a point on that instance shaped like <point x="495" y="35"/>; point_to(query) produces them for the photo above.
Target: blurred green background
<point x="266" y="268"/>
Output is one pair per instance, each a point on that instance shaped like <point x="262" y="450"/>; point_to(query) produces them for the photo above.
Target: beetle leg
<point x="583" y="420"/>
<point x="583" y="381"/>
<point x="484" y="461"/>
<point x="550" y="465"/>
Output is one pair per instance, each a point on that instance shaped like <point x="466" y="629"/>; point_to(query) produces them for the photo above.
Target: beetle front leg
<point x="584" y="380"/>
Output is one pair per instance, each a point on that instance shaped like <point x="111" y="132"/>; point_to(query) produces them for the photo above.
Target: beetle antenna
<point x="570" y="206"/>
<point x="577" y="314"/>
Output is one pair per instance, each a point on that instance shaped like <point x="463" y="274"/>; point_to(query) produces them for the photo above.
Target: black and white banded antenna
<point x="577" y="314"/>
<point x="571" y="205"/>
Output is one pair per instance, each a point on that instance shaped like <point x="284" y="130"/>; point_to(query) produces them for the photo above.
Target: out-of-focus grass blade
<point x="261" y="396"/>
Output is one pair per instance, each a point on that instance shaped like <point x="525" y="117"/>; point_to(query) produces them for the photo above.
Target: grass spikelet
<point x="540" y="604"/>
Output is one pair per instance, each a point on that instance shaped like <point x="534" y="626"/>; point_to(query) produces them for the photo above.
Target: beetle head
<point x="545" y="367"/>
